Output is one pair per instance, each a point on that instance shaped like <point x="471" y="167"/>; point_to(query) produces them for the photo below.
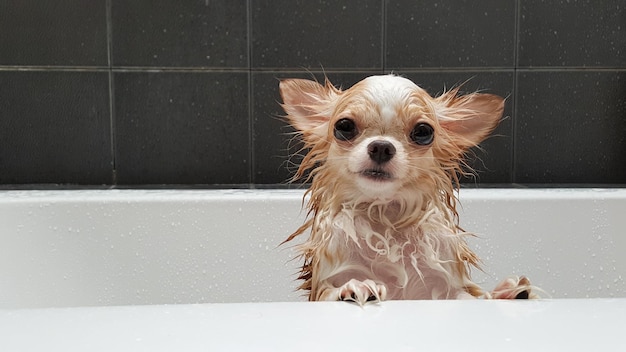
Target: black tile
<point x="44" y="33"/>
<point x="316" y="34"/>
<point x="55" y="128"/>
<point x="450" y="33"/>
<point x="572" y="33"/>
<point x="182" y="128"/>
<point x="571" y="127"/>
<point x="179" y="33"/>
<point x="275" y="147"/>
<point x="491" y="163"/>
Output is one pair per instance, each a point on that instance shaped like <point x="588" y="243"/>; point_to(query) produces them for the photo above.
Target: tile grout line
<point x="383" y="37"/>
<point x="514" y="124"/>
<point x="153" y="69"/>
<point x="251" y="149"/>
<point x="109" y="22"/>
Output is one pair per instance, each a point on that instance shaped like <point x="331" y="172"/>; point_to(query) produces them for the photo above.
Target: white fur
<point x="389" y="90"/>
<point x="415" y="263"/>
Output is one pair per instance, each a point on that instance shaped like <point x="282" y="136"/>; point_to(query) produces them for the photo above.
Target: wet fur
<point x="401" y="236"/>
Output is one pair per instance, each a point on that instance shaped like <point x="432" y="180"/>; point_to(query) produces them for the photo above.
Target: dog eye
<point x="423" y="134"/>
<point x="345" y="130"/>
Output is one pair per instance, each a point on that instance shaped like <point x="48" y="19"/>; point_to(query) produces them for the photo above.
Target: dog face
<point x="386" y="136"/>
<point x="381" y="135"/>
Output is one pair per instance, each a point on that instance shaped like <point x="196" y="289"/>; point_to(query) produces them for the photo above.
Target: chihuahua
<point x="384" y="159"/>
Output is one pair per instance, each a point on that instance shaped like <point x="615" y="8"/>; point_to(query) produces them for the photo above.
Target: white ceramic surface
<point x="133" y="247"/>
<point x="546" y="325"/>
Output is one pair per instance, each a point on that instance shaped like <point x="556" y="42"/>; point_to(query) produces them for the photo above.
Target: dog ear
<point x="309" y="106"/>
<point x="469" y="119"/>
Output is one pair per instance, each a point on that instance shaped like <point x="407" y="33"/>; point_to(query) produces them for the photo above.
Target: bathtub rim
<point x="168" y="195"/>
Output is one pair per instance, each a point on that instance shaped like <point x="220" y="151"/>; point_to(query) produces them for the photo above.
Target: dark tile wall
<point x="112" y="93"/>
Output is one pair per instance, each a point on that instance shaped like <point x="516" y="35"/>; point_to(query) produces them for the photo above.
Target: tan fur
<point x="396" y="239"/>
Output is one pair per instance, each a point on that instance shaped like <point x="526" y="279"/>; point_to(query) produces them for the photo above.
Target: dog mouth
<point x="377" y="174"/>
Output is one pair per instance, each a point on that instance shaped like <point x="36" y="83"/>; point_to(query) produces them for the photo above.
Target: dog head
<point x="385" y="136"/>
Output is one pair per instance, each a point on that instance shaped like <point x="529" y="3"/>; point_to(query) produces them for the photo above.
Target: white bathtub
<point x="132" y="247"/>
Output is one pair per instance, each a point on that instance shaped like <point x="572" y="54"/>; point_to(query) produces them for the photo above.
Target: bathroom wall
<point x="112" y="93"/>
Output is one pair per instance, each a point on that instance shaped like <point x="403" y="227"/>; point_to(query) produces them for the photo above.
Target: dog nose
<point x="381" y="151"/>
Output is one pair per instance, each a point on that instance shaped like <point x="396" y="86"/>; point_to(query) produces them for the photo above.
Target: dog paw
<point x="514" y="288"/>
<point x="362" y="292"/>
